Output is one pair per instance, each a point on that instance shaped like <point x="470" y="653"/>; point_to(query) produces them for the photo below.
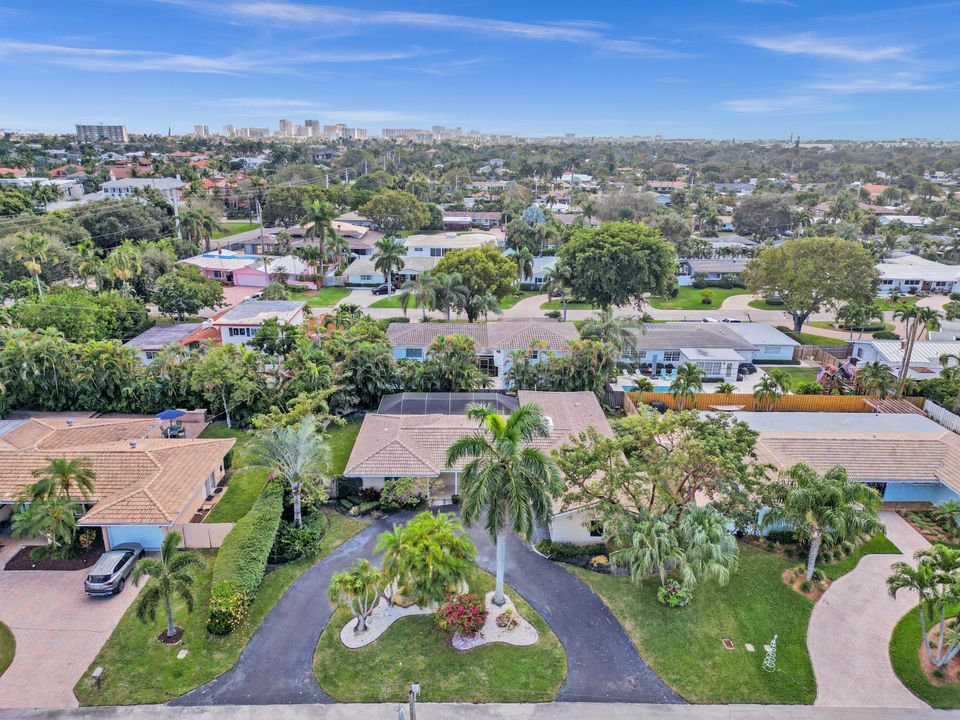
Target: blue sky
<point x="718" y="68"/>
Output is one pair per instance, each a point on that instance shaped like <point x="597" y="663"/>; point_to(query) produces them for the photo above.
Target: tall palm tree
<point x="506" y="477"/>
<point x="687" y="383"/>
<point x="936" y="579"/>
<point x="33" y="250"/>
<point x="88" y="262"/>
<point x="318" y="222"/>
<point x="916" y="321"/>
<point x="388" y="258"/>
<point x="59" y="476"/>
<point x="298" y="454"/>
<point x="523" y="259"/>
<point x="617" y="331"/>
<point x="876" y="379"/>
<point x="828" y="508"/>
<point x="200" y="224"/>
<point x="124" y="263"/>
<point x="556" y="281"/>
<point x="448" y="292"/>
<point x="170" y="578"/>
<point x="421" y="290"/>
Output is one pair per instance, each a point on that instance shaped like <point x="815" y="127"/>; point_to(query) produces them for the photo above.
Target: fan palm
<point x="828" y="508"/>
<point x="388" y="258"/>
<point x="171" y="578"/>
<point x="298" y="454"/>
<point x="506" y="477"/>
<point x="59" y="476"/>
<point x="687" y="383"/>
<point x="617" y="331"/>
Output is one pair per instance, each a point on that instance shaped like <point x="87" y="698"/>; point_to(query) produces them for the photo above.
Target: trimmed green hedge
<point x="563" y="551"/>
<point x="242" y="560"/>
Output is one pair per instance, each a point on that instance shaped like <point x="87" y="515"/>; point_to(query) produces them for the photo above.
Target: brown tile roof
<point x="148" y="484"/>
<point x="499" y="335"/>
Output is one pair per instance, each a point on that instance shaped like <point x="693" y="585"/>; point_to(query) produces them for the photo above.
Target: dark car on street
<point x="109" y="574"/>
<point x="381" y="290"/>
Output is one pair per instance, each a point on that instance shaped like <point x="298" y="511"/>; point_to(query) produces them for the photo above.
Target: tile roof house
<point x="416" y="446"/>
<point x="145" y="484"/>
<point x="714" y="347"/>
<point x="907" y="458"/>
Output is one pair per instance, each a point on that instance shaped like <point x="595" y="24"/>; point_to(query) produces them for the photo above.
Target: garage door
<point x="150" y="536"/>
<point x="250" y="279"/>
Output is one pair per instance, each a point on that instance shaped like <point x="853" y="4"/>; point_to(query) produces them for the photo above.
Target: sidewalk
<point x="451" y="711"/>
<point x="851" y="626"/>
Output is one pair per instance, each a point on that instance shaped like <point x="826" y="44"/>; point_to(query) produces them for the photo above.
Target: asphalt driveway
<point x="58" y="629"/>
<point x="276" y="665"/>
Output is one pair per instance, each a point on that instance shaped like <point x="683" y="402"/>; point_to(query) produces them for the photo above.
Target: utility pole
<point x="414" y="691"/>
<point x="176" y="212"/>
<point x="326" y="180"/>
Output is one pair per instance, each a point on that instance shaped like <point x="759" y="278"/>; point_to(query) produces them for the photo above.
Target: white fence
<point x="942" y="416"/>
<point x="203" y="535"/>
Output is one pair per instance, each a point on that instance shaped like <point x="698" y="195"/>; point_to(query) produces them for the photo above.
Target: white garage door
<point x="150" y="536"/>
<point x="250" y="280"/>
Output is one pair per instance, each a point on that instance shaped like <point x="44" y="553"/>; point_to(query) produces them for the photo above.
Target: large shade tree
<point x="506" y="478"/>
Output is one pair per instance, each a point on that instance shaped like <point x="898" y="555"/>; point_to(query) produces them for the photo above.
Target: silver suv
<point x="110" y="572"/>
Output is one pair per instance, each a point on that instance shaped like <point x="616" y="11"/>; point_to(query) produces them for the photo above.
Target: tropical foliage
<point x="170" y="578"/>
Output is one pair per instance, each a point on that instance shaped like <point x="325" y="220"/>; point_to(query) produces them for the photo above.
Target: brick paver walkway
<point x="851" y="625"/>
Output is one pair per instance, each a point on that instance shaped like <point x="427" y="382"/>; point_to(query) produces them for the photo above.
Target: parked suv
<point x="746" y="368"/>
<point x="109" y="574"/>
<point x="380" y="290"/>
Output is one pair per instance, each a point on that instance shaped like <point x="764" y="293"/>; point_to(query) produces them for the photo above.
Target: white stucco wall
<point x="573" y="527"/>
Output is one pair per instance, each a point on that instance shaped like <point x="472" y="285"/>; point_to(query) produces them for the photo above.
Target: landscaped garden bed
<point x="911" y="664"/>
<point x="24" y="558"/>
<point x="834" y="561"/>
<point x="8" y="647"/>
<point x="933" y="525"/>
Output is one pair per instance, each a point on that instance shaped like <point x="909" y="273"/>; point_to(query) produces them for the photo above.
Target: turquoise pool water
<point x="656" y="388"/>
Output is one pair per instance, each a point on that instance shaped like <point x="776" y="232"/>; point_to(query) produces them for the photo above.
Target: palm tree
<point x="200" y="224"/>
<point x="726" y="388"/>
<point x="124" y="263"/>
<point x="33" y="250"/>
<point x="767" y="392"/>
<point x="709" y="548"/>
<point x="936" y="579"/>
<point x="506" y="477"/>
<point x="421" y="289"/>
<point x="55" y="519"/>
<point x="298" y="454"/>
<point x="358" y="589"/>
<point x="388" y="258"/>
<point x="318" y="222"/>
<point x="828" y="508"/>
<point x="875" y="379"/>
<point x="556" y="281"/>
<point x="480" y="304"/>
<point x="945" y="360"/>
<point x="448" y="292"/>
<point x="858" y="316"/>
<point x="171" y="577"/>
<point x="614" y="330"/>
<point x="947" y="515"/>
<point x="88" y="262"/>
<point x="687" y="383"/>
<point x="60" y="476"/>
<point x="916" y="321"/>
<point x="648" y="545"/>
<point x="523" y="259"/>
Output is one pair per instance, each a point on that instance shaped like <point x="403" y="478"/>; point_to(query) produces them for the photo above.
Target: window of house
<point x="365" y="278"/>
<point x="436" y="252"/>
<point x="596" y="529"/>
<point x="414" y="353"/>
<point x="671" y="356"/>
<point x="217" y="274"/>
<point x="150" y="354"/>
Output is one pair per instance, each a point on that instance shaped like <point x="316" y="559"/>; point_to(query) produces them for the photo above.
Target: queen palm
<point x="388" y="258"/>
<point x="945" y="362"/>
<point x="617" y="331"/>
<point x="420" y="289"/>
<point x="170" y="578"/>
<point x="875" y="379"/>
<point x="318" y="222"/>
<point x="916" y="321"/>
<point x="298" y="454"/>
<point x="828" y="508"/>
<point x="60" y="476"/>
<point x="200" y="224"/>
<point x="33" y="250"/>
<point x="505" y="476"/>
<point x="936" y="579"/>
<point x="448" y="292"/>
<point x="523" y="260"/>
<point x="687" y="383"/>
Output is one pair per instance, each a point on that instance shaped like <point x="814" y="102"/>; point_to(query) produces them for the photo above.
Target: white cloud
<point x="784" y="104"/>
<point x="778" y="3"/>
<point x="123" y="60"/>
<point x="837" y="48"/>
<point x="898" y="82"/>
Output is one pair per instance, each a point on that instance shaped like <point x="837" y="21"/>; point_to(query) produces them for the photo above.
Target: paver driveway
<point x="58" y="629"/>
<point x="851" y="625"/>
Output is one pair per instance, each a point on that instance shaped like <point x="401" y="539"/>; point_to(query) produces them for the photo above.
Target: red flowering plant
<point x="462" y="614"/>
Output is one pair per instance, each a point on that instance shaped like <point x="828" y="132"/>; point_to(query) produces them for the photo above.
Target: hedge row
<point x="242" y="560"/>
<point x="562" y="551"/>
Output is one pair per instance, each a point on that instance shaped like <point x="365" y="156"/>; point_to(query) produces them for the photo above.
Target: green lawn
<point x="761" y="304"/>
<point x="904" y="650"/>
<point x="137" y="669"/>
<point x="877" y="545"/>
<point x="393" y="302"/>
<point x="245" y="484"/>
<point x="867" y="330"/>
<point x="796" y="375"/>
<point x="324" y="297"/>
<point x="8" y="647"/>
<point x="510" y="300"/>
<point x="810" y="338"/>
<point x="558" y="305"/>
<point x="689" y="298"/>
<point x="684" y="646"/>
<point x="413" y="649"/>
<point x="905" y="300"/>
<point x="234" y="228"/>
<point x="341" y="439"/>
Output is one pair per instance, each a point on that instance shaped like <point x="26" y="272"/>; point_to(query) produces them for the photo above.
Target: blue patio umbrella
<point x="170" y="414"/>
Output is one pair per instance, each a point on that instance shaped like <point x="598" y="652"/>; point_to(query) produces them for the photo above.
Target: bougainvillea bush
<point x="462" y="614"/>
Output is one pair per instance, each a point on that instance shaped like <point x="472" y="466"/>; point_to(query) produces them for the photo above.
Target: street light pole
<point x="414" y="691"/>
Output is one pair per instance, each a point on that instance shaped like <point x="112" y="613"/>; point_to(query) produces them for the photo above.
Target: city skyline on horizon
<point x="738" y="69"/>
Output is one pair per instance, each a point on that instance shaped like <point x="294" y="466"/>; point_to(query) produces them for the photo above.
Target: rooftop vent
<point x="133" y="444"/>
<point x="69" y="422"/>
<point x="549" y="421"/>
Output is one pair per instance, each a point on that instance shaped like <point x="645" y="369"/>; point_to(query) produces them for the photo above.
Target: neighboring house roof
<point x="159" y="336"/>
<point x="365" y="265"/>
<point x="708" y="265"/>
<point x="158" y="183"/>
<point x="924" y="351"/>
<point x="223" y="260"/>
<point x="348" y="230"/>
<point x="416" y="445"/>
<point x="139" y="480"/>
<point x="762" y="334"/>
<point x="871" y="447"/>
<point x="662" y="336"/>
<point x="912" y="267"/>
<point x="256" y="312"/>
<point x="471" y="215"/>
<point x="352" y="217"/>
<point x="489" y="336"/>
<point x="451" y="240"/>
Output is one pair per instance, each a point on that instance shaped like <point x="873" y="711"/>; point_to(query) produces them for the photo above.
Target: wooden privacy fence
<point x="828" y="354"/>
<point x="788" y="403"/>
<point x="203" y="535"/>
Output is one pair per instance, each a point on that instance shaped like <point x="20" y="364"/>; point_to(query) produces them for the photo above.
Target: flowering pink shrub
<point x="463" y="614"/>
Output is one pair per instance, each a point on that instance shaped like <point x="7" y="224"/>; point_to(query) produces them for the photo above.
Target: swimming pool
<point x="656" y="388"/>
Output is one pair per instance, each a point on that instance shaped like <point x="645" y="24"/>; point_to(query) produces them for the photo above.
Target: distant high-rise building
<point x="314" y="126"/>
<point x="201" y="130"/>
<point x="355" y="133"/>
<point x="335" y="132"/>
<point x="100" y="133"/>
<point x="303" y="131"/>
<point x="286" y="128"/>
<point x="229" y="130"/>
